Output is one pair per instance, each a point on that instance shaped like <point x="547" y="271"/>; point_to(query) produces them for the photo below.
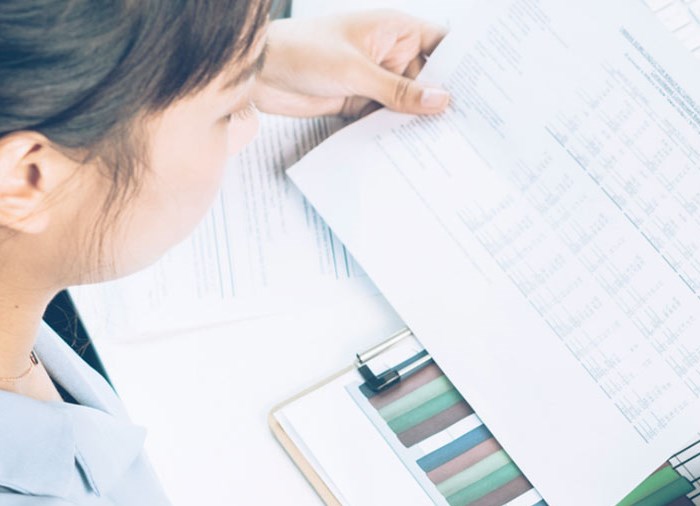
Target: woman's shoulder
<point x="12" y="498"/>
<point x="85" y="454"/>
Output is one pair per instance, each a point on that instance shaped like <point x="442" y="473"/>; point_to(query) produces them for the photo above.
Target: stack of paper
<point x="541" y="235"/>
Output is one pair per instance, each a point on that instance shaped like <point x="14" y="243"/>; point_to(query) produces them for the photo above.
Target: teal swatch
<point x="425" y="411"/>
<point x="486" y="485"/>
<point x="474" y="473"/>
<point x="416" y="398"/>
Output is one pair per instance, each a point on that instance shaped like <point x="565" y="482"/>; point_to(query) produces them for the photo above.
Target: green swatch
<point x="484" y="486"/>
<point x="656" y="481"/>
<point x="674" y="490"/>
<point x="414" y="399"/>
<point x="425" y="411"/>
<point x="474" y="473"/>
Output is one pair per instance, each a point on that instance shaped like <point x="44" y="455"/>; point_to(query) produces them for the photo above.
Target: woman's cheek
<point x="242" y="132"/>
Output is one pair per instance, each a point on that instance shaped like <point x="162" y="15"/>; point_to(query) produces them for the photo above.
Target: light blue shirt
<point x="59" y="454"/>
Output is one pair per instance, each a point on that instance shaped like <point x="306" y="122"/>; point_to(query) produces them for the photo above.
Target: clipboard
<point x="380" y="382"/>
<point x="676" y="482"/>
<point x="314" y="479"/>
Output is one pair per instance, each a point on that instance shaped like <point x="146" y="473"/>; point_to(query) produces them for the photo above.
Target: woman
<point x="115" y="121"/>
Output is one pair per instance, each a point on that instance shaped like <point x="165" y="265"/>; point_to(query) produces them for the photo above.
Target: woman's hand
<point x="347" y="64"/>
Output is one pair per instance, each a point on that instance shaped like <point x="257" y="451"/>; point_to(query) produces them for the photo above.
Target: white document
<point x="260" y="250"/>
<point x="346" y="449"/>
<point x="541" y="237"/>
<point x="436" y="11"/>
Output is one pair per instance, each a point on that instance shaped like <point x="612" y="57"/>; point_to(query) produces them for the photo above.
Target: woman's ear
<point x="26" y="158"/>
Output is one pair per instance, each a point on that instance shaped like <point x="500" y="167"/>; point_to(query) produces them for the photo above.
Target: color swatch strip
<point x="687" y="463"/>
<point x="472" y="469"/>
<point x="420" y="406"/>
<point x="663" y="487"/>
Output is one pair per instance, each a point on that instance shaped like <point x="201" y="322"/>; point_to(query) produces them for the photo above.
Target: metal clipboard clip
<point x="390" y="377"/>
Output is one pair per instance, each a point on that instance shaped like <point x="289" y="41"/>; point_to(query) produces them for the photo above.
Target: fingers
<point x="414" y="67"/>
<point x="431" y="36"/>
<point x="357" y="107"/>
<point x="400" y="93"/>
<point x="273" y="100"/>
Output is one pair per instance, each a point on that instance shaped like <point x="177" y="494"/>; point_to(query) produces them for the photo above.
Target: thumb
<point x="401" y="93"/>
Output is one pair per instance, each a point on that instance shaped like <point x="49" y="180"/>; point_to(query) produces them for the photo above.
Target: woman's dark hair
<point x="80" y="71"/>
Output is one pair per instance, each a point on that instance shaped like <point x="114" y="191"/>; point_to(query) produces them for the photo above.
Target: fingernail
<point x="434" y="98"/>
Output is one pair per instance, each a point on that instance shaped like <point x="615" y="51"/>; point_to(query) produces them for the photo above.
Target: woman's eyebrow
<point x="247" y="72"/>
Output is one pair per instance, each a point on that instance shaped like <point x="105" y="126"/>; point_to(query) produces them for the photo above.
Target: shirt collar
<point x="79" y="379"/>
<point x="43" y="444"/>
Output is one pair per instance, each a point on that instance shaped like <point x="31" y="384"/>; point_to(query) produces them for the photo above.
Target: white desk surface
<point x="204" y="397"/>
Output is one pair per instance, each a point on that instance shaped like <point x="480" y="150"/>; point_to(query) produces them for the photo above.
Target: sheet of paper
<point x="679" y="17"/>
<point x="540" y="238"/>
<point x="261" y="249"/>
<point x="347" y="450"/>
<point x="439" y="11"/>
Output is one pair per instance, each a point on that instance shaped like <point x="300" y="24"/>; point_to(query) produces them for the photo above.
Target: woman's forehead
<point x="239" y="73"/>
<point x="241" y="70"/>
